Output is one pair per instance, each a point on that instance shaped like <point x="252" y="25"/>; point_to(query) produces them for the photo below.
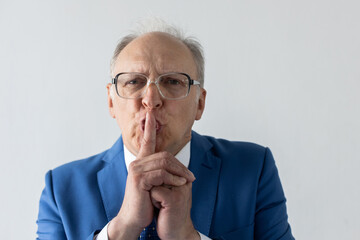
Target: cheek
<point x="126" y="113"/>
<point x="183" y="115"/>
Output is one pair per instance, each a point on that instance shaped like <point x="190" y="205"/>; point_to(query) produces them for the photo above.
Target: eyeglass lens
<point x="172" y="85"/>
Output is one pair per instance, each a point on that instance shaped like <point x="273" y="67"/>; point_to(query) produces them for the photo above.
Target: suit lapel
<point x="206" y="167"/>
<point x="112" y="179"/>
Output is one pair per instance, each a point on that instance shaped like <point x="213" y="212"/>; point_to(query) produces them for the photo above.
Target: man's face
<point x="154" y="54"/>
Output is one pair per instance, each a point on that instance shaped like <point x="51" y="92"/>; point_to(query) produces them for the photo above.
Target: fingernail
<point x="182" y="180"/>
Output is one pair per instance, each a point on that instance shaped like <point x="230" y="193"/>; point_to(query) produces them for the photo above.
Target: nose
<point x="152" y="98"/>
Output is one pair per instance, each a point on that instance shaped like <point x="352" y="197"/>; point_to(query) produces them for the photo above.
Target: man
<point x="160" y="179"/>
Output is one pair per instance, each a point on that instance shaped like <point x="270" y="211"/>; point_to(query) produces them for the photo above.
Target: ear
<point x="201" y="104"/>
<point x="110" y="100"/>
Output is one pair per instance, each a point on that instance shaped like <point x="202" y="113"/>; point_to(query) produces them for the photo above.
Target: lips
<point x="158" y="126"/>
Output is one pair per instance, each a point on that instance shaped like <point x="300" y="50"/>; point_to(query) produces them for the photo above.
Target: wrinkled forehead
<point x="155" y="53"/>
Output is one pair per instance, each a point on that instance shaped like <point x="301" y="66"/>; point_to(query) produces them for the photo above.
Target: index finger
<point x="148" y="142"/>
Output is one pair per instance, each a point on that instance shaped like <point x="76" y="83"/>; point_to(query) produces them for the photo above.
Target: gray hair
<point x="158" y="25"/>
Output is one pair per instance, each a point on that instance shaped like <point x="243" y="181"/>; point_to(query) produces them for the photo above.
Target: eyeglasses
<point x="170" y="85"/>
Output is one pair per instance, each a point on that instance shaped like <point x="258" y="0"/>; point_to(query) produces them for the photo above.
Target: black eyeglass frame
<point x="191" y="82"/>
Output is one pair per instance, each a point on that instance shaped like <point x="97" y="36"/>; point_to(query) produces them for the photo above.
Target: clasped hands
<point x="155" y="180"/>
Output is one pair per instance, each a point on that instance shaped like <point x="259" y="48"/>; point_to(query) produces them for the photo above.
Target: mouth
<point x="159" y="126"/>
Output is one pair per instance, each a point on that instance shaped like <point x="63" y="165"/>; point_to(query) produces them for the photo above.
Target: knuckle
<point x="147" y="142"/>
<point x="166" y="159"/>
<point x="144" y="141"/>
<point x="144" y="183"/>
<point x="137" y="179"/>
<point x="173" y="178"/>
<point x="165" y="155"/>
<point x="133" y="166"/>
<point x="164" y="162"/>
<point x="162" y="173"/>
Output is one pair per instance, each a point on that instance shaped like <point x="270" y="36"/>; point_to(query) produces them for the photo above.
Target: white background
<point x="284" y="74"/>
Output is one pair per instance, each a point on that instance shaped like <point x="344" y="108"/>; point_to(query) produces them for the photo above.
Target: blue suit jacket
<point x="237" y="193"/>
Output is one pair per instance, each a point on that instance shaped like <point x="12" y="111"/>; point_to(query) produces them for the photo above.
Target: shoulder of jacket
<point x="85" y="165"/>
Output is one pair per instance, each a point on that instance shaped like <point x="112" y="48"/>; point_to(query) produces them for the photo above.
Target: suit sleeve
<point x="271" y="220"/>
<point x="50" y="225"/>
<point x="49" y="221"/>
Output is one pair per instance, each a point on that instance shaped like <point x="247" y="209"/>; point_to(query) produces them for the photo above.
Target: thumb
<point x="148" y="142"/>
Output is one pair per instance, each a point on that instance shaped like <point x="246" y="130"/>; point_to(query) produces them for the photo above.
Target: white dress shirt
<point x="183" y="156"/>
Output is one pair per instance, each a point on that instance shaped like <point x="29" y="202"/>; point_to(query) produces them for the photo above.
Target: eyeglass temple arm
<point x="194" y="82"/>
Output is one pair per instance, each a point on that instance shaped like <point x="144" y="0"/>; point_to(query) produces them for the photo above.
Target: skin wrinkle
<point x="154" y="54"/>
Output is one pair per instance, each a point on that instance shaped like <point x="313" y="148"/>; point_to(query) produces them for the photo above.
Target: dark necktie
<point x="149" y="232"/>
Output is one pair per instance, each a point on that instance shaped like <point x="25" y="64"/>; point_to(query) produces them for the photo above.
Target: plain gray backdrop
<point x="284" y="74"/>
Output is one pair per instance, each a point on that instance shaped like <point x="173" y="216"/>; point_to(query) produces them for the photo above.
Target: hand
<point x="174" y="204"/>
<point x="148" y="171"/>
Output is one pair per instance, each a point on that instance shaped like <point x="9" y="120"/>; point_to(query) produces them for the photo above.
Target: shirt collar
<point x="183" y="156"/>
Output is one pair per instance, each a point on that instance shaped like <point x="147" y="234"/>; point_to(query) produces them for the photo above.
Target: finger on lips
<point x="158" y="168"/>
<point x="148" y="143"/>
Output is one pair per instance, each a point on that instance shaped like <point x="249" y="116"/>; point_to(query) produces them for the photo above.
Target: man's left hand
<point x="174" y="204"/>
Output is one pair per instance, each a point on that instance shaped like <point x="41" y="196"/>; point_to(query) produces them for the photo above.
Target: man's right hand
<point x="149" y="170"/>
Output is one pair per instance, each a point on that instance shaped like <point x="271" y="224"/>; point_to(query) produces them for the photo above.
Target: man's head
<point x="154" y="53"/>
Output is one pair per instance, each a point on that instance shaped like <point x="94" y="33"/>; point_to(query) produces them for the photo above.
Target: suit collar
<point x="112" y="179"/>
<point x="206" y="168"/>
<point x="115" y="151"/>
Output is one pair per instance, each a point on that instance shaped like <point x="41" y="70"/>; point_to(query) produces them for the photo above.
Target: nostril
<point x="152" y="100"/>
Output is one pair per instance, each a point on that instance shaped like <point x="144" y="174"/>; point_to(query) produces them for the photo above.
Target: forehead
<point x="155" y="53"/>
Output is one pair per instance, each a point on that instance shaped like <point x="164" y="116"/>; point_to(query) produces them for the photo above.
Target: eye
<point x="132" y="82"/>
<point x="135" y="82"/>
<point x="171" y="81"/>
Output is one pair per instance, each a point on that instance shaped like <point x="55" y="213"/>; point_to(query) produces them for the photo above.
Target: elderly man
<point x="161" y="180"/>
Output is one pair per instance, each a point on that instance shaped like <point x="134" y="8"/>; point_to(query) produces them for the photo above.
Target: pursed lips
<point x="158" y="125"/>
